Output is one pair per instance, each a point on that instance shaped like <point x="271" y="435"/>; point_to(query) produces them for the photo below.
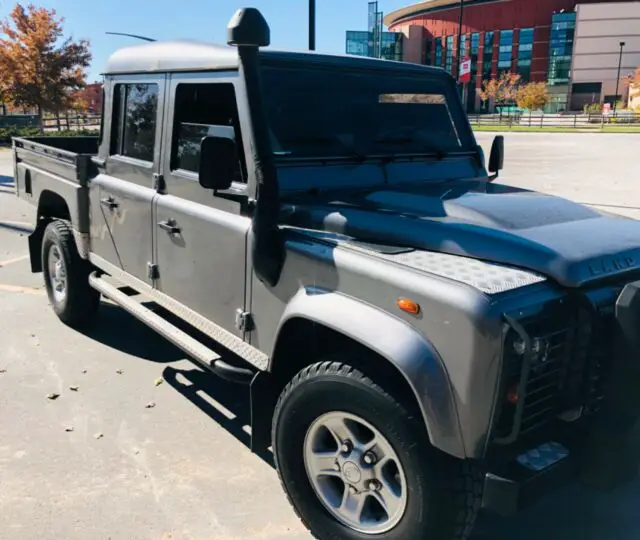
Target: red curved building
<point x="542" y="40"/>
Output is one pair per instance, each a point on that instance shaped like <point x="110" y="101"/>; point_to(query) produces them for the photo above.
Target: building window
<point x="134" y="125"/>
<point x="525" y="53"/>
<point x="448" y="65"/>
<point x="438" y="48"/>
<point x="506" y="50"/>
<point x="475" y="47"/>
<point x="561" y="47"/>
<point x="487" y="56"/>
<point x="463" y="46"/>
<point x="358" y="43"/>
<point x="427" y="51"/>
<point x="391" y="46"/>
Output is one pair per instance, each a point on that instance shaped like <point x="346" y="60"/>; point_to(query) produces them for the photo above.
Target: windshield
<point x="321" y="112"/>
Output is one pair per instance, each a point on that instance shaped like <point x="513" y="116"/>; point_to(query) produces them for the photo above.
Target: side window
<point x="134" y="120"/>
<point x="203" y="110"/>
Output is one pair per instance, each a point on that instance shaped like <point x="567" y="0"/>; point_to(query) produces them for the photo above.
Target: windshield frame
<point x="379" y="68"/>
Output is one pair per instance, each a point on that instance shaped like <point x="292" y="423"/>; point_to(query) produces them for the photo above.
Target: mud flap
<point x="612" y="455"/>
<point x="35" y="248"/>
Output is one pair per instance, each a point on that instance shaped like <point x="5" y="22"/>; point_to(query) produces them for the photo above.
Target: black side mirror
<point x="218" y="162"/>
<point x="496" y="158"/>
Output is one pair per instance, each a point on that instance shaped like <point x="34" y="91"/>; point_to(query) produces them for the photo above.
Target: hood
<point x="568" y="242"/>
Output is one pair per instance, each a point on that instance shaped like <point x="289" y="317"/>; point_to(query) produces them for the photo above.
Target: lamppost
<point x="312" y="25"/>
<point x="615" y="98"/>
<point x="135" y="36"/>
<point x="459" y="46"/>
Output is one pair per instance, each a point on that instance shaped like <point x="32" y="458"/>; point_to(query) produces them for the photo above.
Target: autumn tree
<point x="502" y="90"/>
<point x="533" y="96"/>
<point x="40" y="68"/>
<point x="634" y="89"/>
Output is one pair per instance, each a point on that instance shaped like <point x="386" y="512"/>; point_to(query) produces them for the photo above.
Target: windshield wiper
<point x="325" y="142"/>
<point x="438" y="152"/>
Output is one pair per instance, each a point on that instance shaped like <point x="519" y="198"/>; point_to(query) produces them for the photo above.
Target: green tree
<point x="40" y="68"/>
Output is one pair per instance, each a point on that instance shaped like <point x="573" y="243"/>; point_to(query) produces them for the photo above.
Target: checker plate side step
<point x="196" y="350"/>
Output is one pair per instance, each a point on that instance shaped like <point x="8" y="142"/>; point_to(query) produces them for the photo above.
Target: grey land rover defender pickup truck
<point x="420" y="341"/>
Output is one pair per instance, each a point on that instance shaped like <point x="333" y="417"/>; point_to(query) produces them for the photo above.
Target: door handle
<point x="109" y="202"/>
<point x="169" y="226"/>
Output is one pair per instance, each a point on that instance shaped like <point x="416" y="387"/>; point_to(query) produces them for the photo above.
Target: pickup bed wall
<point x="53" y="167"/>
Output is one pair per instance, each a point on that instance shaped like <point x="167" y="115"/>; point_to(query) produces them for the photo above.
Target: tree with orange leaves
<point x="38" y="66"/>
<point x="502" y="90"/>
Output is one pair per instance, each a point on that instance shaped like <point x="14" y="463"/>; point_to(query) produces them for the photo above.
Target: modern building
<point x="374" y="42"/>
<point x="574" y="45"/>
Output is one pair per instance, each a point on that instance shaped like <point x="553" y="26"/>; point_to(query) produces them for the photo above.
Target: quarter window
<point x="135" y="114"/>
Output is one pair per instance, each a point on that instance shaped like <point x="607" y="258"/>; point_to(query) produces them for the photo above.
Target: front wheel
<point x="356" y="463"/>
<point x="66" y="276"/>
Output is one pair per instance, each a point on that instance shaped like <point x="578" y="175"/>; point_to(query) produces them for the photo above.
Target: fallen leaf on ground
<point x="53" y="395"/>
<point x="74" y="388"/>
<point x="98" y="436"/>
<point x="3" y="370"/>
<point x="119" y="371"/>
<point x="150" y="405"/>
<point x="68" y="429"/>
<point x="158" y="381"/>
<point x="84" y="371"/>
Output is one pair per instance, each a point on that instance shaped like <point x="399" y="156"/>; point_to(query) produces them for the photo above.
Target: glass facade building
<point x="525" y="53"/>
<point x="374" y="42"/>
<point x="506" y="51"/>
<point x="563" y="26"/>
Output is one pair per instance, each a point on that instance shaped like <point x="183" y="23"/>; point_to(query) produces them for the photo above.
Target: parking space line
<point x="19" y="289"/>
<point x="14" y="260"/>
<point x="17" y="223"/>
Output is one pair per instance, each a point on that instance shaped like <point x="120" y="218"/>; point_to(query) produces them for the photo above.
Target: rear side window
<point x="134" y="120"/>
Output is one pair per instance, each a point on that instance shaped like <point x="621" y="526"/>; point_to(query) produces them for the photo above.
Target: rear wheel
<point x="357" y="463"/>
<point x="66" y="276"/>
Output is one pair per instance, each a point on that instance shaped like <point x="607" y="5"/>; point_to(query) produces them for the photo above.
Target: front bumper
<point x="605" y="455"/>
<point x="515" y="486"/>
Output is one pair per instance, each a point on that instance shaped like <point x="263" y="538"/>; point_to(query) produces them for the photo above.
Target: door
<point x="122" y="194"/>
<point x="201" y="237"/>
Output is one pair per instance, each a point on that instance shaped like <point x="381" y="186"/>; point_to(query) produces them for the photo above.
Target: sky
<point x="204" y="20"/>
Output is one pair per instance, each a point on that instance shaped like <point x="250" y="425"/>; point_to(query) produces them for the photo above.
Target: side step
<point x="200" y="353"/>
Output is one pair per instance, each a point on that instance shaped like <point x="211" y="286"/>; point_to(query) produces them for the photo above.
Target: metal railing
<point x="563" y="120"/>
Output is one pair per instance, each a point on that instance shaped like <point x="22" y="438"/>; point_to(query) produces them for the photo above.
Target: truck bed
<point x="56" y="170"/>
<point x="69" y="157"/>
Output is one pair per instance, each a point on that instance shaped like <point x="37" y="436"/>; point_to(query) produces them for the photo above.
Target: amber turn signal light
<point x="405" y="304"/>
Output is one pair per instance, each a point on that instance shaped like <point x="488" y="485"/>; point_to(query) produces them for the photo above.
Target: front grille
<point x="555" y="358"/>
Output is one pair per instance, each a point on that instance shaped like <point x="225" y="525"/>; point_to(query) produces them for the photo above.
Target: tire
<point x="443" y="493"/>
<point x="78" y="303"/>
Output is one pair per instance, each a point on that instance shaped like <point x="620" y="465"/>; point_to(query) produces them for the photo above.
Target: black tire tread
<point x="464" y="478"/>
<point x="82" y="301"/>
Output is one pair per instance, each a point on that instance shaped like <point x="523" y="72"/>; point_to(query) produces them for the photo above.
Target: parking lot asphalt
<point x="140" y="444"/>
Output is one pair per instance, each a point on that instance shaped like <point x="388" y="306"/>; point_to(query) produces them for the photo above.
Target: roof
<point x="185" y="55"/>
<point x="426" y="6"/>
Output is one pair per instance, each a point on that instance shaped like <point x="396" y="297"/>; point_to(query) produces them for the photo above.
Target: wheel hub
<point x="57" y="274"/>
<point x="355" y="473"/>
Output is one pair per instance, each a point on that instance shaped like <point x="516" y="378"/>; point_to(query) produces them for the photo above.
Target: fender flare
<point x="392" y="338"/>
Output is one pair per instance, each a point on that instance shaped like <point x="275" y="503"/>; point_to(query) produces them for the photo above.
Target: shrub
<point x="6" y="134"/>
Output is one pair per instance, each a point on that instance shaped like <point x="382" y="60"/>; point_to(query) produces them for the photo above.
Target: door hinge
<point x="244" y="321"/>
<point x="152" y="271"/>
<point x="159" y="183"/>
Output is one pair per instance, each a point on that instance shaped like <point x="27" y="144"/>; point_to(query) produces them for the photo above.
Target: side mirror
<point x="218" y="162"/>
<point x="496" y="158"/>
